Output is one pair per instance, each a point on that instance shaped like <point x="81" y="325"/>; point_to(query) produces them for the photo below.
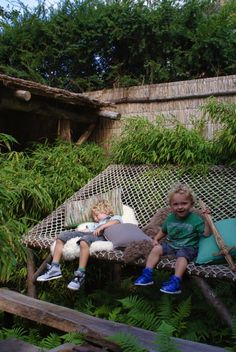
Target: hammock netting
<point x="145" y="188"/>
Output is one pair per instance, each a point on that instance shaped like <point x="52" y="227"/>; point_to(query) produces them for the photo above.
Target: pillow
<point x="129" y="215"/>
<point x="122" y="234"/>
<point x="208" y="246"/>
<point x="78" y="211"/>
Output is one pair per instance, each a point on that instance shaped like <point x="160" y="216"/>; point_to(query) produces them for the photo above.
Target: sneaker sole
<point x="170" y="293"/>
<point x="73" y="288"/>
<point x="148" y="284"/>
<point x="49" y="279"/>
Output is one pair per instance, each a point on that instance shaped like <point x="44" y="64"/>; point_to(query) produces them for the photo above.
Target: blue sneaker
<point x="145" y="279"/>
<point x="172" y="286"/>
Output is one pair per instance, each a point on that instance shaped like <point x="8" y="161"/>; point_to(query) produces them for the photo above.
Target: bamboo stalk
<point x="224" y="249"/>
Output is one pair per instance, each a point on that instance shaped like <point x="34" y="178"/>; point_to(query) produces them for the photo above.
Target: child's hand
<point x="155" y="242"/>
<point x="98" y="231"/>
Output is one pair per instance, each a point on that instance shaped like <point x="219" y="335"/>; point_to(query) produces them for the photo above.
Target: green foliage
<point x="92" y="44"/>
<point x="166" y="344"/>
<point x="33" y="184"/>
<point x="144" y="142"/>
<point x="127" y="342"/>
<point x="223" y="113"/>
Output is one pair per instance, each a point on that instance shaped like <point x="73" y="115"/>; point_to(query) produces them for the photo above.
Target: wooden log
<point x="94" y="329"/>
<point x="23" y="94"/>
<point x="31" y="289"/>
<point x="224" y="249"/>
<point x="63" y="130"/>
<point x="214" y="300"/>
<point x="111" y="115"/>
<point x="83" y="138"/>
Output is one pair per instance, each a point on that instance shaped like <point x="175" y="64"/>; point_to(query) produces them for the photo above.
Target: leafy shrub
<point x="144" y="142"/>
<point x="224" y="140"/>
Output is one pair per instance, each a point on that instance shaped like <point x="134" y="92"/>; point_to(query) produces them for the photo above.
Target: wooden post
<point x="63" y="130"/>
<point x="212" y="298"/>
<point x="31" y="289"/>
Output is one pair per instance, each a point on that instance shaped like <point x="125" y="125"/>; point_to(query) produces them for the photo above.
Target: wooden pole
<point x="31" y="289"/>
<point x="212" y="298"/>
<point x="224" y="249"/>
<point x="83" y="138"/>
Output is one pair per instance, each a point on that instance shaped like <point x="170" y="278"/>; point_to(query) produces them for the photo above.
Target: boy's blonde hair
<point x="103" y="207"/>
<point x="182" y="189"/>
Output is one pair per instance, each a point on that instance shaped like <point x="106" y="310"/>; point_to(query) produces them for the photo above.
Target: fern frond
<point x="51" y="341"/>
<point x="137" y="303"/>
<point x="179" y="316"/>
<point x="165" y="308"/>
<point x="164" y="340"/>
<point x="127" y="342"/>
<point x="148" y="321"/>
<point x="16" y="332"/>
<point x="73" y="337"/>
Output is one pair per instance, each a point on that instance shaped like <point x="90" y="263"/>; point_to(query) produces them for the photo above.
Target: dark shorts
<point x="87" y="236"/>
<point x="187" y="252"/>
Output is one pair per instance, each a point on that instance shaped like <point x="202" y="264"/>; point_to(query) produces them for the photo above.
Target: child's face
<point x="180" y="205"/>
<point x="98" y="216"/>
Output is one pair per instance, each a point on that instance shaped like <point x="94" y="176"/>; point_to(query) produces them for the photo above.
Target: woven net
<point x="144" y="188"/>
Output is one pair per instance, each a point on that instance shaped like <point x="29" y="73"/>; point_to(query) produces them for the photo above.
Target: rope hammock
<point x="145" y="188"/>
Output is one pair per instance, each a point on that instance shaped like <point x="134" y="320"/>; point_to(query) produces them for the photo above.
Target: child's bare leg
<point x="180" y="266"/>
<point x="79" y="278"/>
<point x="154" y="256"/>
<point x="58" y="251"/>
<point x="84" y="254"/>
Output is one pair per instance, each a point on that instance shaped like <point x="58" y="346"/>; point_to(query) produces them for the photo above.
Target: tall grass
<point x="35" y="182"/>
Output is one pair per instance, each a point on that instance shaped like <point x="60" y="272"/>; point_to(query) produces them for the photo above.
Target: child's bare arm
<point x="158" y="237"/>
<point x="101" y="228"/>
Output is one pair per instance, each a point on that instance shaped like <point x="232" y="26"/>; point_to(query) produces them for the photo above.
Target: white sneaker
<point x="53" y="272"/>
<point x="78" y="281"/>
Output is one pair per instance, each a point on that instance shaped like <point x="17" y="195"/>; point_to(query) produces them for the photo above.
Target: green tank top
<point x="183" y="232"/>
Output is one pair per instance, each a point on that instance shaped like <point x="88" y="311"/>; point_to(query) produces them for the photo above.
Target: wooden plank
<point x="15" y="345"/>
<point x="94" y="329"/>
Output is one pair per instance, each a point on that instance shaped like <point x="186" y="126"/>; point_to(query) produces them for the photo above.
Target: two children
<point x="104" y="217"/>
<point x="181" y="230"/>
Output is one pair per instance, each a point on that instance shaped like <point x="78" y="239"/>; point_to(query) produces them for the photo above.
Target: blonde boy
<point x="181" y="232"/>
<point x="104" y="217"/>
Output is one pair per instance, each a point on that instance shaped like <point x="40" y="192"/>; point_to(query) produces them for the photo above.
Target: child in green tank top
<point x="181" y="230"/>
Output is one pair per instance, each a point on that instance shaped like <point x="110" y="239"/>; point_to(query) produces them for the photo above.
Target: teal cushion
<point x="208" y="246"/>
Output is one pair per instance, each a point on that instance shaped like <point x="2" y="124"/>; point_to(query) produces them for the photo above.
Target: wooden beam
<point x="23" y="94"/>
<point x="43" y="108"/>
<point x="83" y="138"/>
<point x="94" y="329"/>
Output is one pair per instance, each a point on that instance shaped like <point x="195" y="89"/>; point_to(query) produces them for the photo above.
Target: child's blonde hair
<point x="103" y="206"/>
<point x="182" y="189"/>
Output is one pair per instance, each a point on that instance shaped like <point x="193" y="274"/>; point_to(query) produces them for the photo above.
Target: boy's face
<point x="98" y="216"/>
<point x="180" y="205"/>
